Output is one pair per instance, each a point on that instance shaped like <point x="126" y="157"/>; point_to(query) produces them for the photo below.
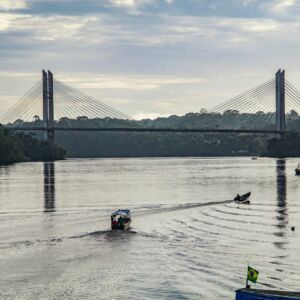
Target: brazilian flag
<point x="252" y="274"/>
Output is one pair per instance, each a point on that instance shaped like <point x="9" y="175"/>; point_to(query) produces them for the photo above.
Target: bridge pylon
<point x="48" y="107"/>
<point x="280" y="100"/>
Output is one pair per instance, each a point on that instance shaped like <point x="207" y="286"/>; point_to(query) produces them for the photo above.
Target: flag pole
<point x="247" y="285"/>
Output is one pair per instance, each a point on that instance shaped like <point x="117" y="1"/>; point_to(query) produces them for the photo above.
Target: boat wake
<point x="114" y="234"/>
<point x="150" y="209"/>
<point x="107" y="233"/>
<point x="182" y="207"/>
<point x="28" y="243"/>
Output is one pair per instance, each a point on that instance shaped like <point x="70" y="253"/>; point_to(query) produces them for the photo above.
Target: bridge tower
<point x="48" y="107"/>
<point x="280" y="100"/>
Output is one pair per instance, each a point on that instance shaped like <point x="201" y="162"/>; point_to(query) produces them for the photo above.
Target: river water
<point x="187" y="241"/>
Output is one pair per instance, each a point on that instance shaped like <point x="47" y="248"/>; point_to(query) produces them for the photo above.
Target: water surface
<point x="187" y="240"/>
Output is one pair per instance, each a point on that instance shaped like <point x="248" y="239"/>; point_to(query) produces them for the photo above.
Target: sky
<point x="148" y="58"/>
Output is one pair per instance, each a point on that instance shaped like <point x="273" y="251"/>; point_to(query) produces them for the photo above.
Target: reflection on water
<point x="282" y="210"/>
<point x="49" y="187"/>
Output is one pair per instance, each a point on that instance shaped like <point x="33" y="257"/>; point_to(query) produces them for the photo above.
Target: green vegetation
<point x="23" y="147"/>
<point x="287" y="146"/>
<point x="135" y="144"/>
<point x="130" y="144"/>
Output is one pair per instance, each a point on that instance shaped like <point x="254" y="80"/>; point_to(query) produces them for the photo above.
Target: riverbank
<point x="20" y="147"/>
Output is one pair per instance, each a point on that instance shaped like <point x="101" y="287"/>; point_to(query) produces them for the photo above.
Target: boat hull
<point x="297" y="171"/>
<point x="255" y="294"/>
<point x="242" y="202"/>
<point x="125" y="226"/>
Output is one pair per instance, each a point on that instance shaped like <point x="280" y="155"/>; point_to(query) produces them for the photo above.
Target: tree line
<point x="137" y="144"/>
<point x="18" y="147"/>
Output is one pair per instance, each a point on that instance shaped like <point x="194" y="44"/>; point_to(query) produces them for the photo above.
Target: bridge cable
<point x="258" y="94"/>
<point x="90" y="110"/>
<point x="21" y="103"/>
<point x="76" y="99"/>
<point x="235" y="100"/>
<point x="92" y="100"/>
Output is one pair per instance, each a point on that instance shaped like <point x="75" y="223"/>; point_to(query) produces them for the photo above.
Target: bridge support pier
<point x="280" y="101"/>
<point x="48" y="107"/>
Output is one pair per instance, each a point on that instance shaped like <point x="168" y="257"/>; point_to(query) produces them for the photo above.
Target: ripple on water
<point x="185" y="243"/>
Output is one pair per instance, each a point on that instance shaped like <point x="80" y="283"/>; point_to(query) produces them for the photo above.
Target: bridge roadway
<point x="140" y="129"/>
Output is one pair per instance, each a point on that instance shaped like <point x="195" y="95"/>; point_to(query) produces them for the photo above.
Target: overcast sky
<point x="148" y="57"/>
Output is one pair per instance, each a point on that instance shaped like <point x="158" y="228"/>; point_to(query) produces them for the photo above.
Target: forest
<point x="19" y="147"/>
<point x="138" y="144"/>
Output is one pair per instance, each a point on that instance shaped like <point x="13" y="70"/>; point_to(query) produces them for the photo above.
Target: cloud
<point x="282" y="9"/>
<point x="131" y="7"/>
<point x="62" y="27"/>
<point x="249" y="2"/>
<point x="258" y="26"/>
<point x="129" y="3"/>
<point x="137" y="3"/>
<point x="107" y="81"/>
<point x="151" y="31"/>
<point x="148" y="56"/>
<point x="282" y="6"/>
<point x="146" y="115"/>
<point x="7" y="5"/>
<point x="18" y="74"/>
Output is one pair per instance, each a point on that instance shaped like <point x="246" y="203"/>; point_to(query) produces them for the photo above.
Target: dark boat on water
<point x="255" y="294"/>
<point x="121" y="219"/>
<point x="242" y="199"/>
<point x="297" y="170"/>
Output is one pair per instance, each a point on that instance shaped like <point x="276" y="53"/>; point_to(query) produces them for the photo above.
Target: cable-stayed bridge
<point x="51" y="105"/>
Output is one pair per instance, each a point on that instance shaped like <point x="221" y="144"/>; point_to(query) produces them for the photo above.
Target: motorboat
<point x="242" y="199"/>
<point x="254" y="157"/>
<point x="121" y="219"/>
<point x="297" y="170"/>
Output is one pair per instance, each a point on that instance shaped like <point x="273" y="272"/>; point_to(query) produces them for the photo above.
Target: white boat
<point x="121" y="219"/>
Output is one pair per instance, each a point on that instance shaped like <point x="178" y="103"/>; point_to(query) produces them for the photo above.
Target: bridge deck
<point x="137" y="129"/>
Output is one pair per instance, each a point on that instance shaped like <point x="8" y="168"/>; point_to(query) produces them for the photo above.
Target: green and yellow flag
<point x="252" y="274"/>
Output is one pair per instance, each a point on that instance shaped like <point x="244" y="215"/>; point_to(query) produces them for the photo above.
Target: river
<point x="187" y="241"/>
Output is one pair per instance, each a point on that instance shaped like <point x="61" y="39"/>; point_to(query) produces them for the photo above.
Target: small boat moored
<point x="121" y="219"/>
<point x="297" y="170"/>
<point x="242" y="199"/>
<point x="256" y="294"/>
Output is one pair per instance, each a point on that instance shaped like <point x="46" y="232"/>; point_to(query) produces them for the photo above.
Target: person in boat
<point x="114" y="222"/>
<point x="238" y="197"/>
<point x="121" y="222"/>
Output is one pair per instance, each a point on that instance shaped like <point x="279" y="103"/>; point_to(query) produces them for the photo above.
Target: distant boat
<point x="297" y="170"/>
<point x="255" y="294"/>
<point x="243" y="199"/>
<point x="254" y="157"/>
<point x="121" y="219"/>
